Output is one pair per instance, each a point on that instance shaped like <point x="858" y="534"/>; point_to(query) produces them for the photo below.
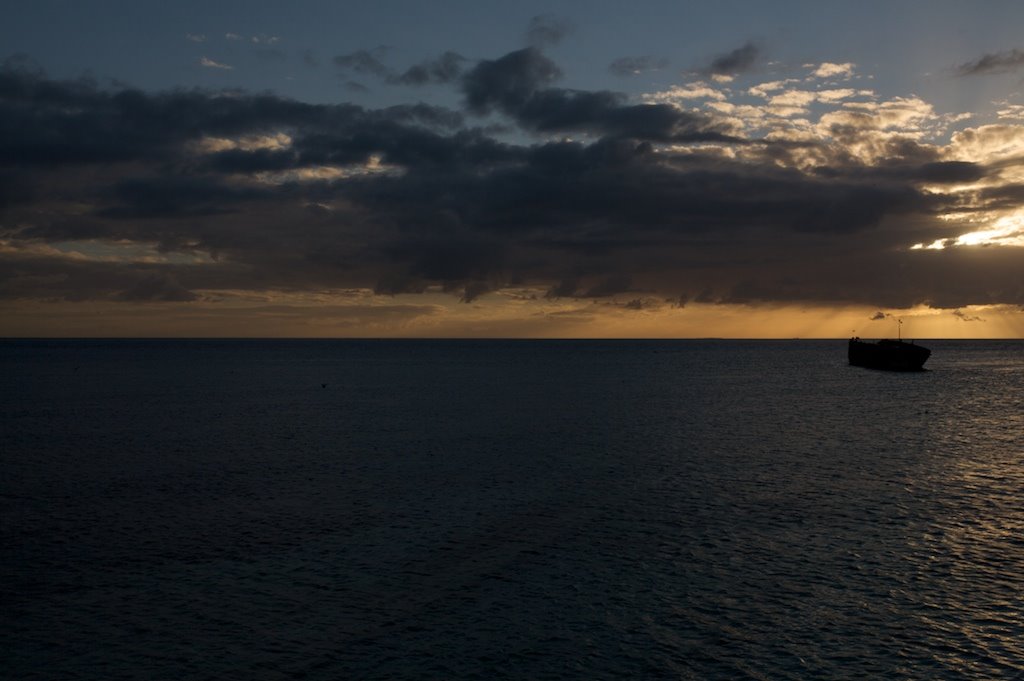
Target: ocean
<point x="509" y="510"/>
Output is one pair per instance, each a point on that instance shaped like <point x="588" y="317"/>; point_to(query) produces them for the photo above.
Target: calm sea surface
<point x="529" y="510"/>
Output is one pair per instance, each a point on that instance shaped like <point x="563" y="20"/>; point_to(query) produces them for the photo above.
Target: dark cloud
<point x="583" y="193"/>
<point x="633" y="66"/>
<point x="878" y="316"/>
<point x="474" y="290"/>
<point x="159" y="288"/>
<point x="964" y="316"/>
<point x="564" y="289"/>
<point x="517" y="84"/>
<point x="242" y="161"/>
<point x="450" y="260"/>
<point x="56" y="124"/>
<point x="444" y="69"/>
<point x="934" y="172"/>
<point x="509" y="81"/>
<point x="33" y="277"/>
<point x="547" y="29"/>
<point x="15" y="188"/>
<point x="610" y="286"/>
<point x="394" y="284"/>
<point x="1005" y="196"/>
<point x="364" y="62"/>
<point x="996" y="62"/>
<point x="947" y="172"/>
<point x="175" y="196"/>
<point x="740" y="60"/>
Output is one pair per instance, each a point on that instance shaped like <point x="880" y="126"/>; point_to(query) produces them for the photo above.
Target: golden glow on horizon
<point x="511" y="313"/>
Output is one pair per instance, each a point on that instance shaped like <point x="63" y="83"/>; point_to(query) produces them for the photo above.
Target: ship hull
<point x="888" y="355"/>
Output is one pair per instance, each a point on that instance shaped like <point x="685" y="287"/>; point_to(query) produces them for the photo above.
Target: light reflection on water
<point x="518" y="510"/>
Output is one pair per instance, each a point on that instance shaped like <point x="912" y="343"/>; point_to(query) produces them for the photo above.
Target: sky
<point x="527" y="170"/>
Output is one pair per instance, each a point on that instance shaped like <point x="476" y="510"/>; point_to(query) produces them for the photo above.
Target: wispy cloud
<point x="195" y="37"/>
<point x="964" y="317"/>
<point x="206" y="62"/>
<point x="364" y="62"/>
<point x="996" y="62"/>
<point x="740" y="60"/>
<point x="547" y="29"/>
<point x="1010" y="111"/>
<point x="678" y="93"/>
<point x="763" y="89"/>
<point x="446" y="68"/>
<point x="634" y="66"/>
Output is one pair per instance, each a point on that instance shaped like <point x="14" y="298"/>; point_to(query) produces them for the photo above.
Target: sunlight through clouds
<point x="1005" y="231"/>
<point x="517" y="187"/>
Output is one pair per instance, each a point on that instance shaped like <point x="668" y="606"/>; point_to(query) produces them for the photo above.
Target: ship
<point x="891" y="355"/>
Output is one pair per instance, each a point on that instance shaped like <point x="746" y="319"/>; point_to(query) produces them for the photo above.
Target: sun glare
<point x="1007" y="230"/>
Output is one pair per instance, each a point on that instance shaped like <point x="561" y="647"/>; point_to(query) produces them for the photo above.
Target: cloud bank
<point x="786" y="191"/>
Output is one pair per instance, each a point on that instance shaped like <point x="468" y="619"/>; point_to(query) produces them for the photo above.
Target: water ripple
<point x="503" y="510"/>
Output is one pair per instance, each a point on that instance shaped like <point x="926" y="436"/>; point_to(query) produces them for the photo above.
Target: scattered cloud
<point x="206" y="62"/>
<point x="233" y="36"/>
<point x="545" y="30"/>
<point x="364" y="62"/>
<point x="1011" y="111"/>
<point x="830" y="70"/>
<point x="634" y="66"/>
<point x="445" y="68"/>
<point x="195" y="37"/>
<point x="764" y="89"/>
<point x="679" y="93"/>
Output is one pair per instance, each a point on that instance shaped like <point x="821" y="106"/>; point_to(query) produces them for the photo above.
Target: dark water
<point x="532" y="510"/>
